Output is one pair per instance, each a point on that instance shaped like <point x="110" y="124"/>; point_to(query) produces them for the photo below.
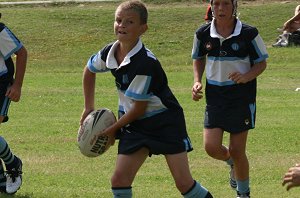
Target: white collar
<point x="111" y="61"/>
<point x="214" y="33"/>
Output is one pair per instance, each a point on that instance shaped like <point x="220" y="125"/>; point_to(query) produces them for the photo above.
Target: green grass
<point x="43" y="126"/>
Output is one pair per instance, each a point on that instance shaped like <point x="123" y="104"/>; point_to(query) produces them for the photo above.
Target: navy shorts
<point x="231" y="118"/>
<point x="4" y="101"/>
<point x="131" y="142"/>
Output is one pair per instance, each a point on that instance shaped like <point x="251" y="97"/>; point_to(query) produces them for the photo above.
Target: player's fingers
<point x="289" y="186"/>
<point x="286" y="180"/>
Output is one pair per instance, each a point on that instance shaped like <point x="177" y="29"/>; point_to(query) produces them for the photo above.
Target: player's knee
<point x="119" y="180"/>
<point x="211" y="149"/>
<point x="236" y="153"/>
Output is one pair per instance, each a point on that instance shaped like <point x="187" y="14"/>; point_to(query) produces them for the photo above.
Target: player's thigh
<point x="128" y="165"/>
<point x="238" y="142"/>
<point x="179" y="167"/>
<point x="213" y="137"/>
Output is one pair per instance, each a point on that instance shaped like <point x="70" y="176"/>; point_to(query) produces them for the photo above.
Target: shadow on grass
<point x="27" y="195"/>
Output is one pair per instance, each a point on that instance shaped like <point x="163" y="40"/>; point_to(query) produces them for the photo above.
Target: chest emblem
<point x="235" y="46"/>
<point x="125" y="79"/>
<point x="208" y="46"/>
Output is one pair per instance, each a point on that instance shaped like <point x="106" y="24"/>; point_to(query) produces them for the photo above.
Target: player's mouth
<point x="121" y="32"/>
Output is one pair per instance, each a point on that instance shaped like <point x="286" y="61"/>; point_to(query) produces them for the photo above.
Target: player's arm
<point x="199" y="67"/>
<point x="137" y="110"/>
<point x="255" y="71"/>
<point x="88" y="82"/>
<point x="14" y="92"/>
<point x="291" y="20"/>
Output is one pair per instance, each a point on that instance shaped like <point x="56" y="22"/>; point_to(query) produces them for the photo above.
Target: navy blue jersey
<point x="140" y="77"/>
<point x="239" y="52"/>
<point x="9" y="44"/>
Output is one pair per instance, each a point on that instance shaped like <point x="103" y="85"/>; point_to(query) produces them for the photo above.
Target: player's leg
<point x="12" y="163"/>
<point x="213" y="146"/>
<point x="213" y="139"/>
<point x="13" y="167"/>
<point x="189" y="188"/>
<point x="237" y="149"/>
<point x="2" y="178"/>
<point x="125" y="171"/>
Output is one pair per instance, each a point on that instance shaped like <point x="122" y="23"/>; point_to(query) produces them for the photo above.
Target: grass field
<point x="43" y="126"/>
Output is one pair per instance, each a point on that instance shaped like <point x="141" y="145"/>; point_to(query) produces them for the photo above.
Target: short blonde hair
<point x="136" y="6"/>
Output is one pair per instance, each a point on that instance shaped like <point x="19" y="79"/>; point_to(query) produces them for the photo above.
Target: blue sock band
<point x="243" y="186"/>
<point x="197" y="191"/>
<point x="122" y="192"/>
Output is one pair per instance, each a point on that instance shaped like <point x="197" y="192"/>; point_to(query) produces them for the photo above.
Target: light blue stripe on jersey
<point x="218" y="69"/>
<point x="137" y="96"/>
<point x="252" y="110"/>
<point x="213" y="82"/>
<point x="3" y="72"/>
<point x="213" y="58"/>
<point x="260" y="49"/>
<point x="15" y="45"/>
<point x="138" y="88"/>
<point x="95" y="64"/>
<point x="196" y="48"/>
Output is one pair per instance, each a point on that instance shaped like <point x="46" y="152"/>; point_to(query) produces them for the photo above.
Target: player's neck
<point x="225" y="29"/>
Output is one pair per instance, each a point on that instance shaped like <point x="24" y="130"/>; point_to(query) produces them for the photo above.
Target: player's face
<point x="128" y="27"/>
<point x="223" y="9"/>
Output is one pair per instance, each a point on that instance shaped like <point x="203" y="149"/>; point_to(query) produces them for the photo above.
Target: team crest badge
<point x="208" y="46"/>
<point x="235" y="46"/>
<point x="247" y="121"/>
<point x="125" y="79"/>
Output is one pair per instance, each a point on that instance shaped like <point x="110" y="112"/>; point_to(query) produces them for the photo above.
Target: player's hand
<point x="111" y="133"/>
<point x="292" y="177"/>
<point x="197" y="93"/>
<point x="84" y="114"/>
<point x="238" y="78"/>
<point x="14" y="92"/>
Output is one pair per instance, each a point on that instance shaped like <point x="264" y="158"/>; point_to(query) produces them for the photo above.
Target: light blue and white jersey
<point x="9" y="44"/>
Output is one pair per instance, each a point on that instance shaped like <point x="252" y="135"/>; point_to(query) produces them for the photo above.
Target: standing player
<point x="10" y="90"/>
<point x="233" y="55"/>
<point x="150" y="119"/>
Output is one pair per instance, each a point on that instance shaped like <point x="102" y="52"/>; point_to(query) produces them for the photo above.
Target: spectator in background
<point x="208" y="15"/>
<point x="290" y="31"/>
<point x="292" y="177"/>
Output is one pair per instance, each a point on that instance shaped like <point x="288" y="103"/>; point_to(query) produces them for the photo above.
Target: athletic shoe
<point x="232" y="180"/>
<point x="247" y="195"/>
<point x="281" y="43"/>
<point x="14" y="179"/>
<point x="2" y="179"/>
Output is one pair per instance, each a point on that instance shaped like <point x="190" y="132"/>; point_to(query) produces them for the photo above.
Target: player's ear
<point x="144" y="28"/>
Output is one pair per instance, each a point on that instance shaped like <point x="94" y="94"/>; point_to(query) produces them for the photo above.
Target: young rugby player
<point x="10" y="90"/>
<point x="233" y="55"/>
<point x="150" y="118"/>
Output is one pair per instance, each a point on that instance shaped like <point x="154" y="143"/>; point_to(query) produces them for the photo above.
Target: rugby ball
<point x="89" y="143"/>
